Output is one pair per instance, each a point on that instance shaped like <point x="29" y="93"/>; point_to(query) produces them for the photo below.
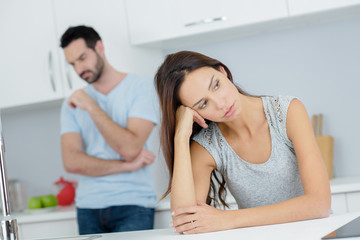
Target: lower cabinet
<point x="353" y="201"/>
<point x="48" y="229"/>
<point x="345" y="202"/>
<point x="338" y="203"/>
<point x="162" y="219"/>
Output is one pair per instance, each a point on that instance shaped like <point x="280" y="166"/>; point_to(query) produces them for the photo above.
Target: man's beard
<point x="99" y="67"/>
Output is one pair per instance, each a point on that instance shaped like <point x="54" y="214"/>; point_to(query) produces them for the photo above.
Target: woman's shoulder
<point x="276" y="107"/>
<point x="210" y="137"/>
<point x="278" y="101"/>
<point x="205" y="133"/>
<point x="276" y="110"/>
<point x="211" y="140"/>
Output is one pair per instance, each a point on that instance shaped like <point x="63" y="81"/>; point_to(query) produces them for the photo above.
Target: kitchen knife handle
<point x="320" y="124"/>
<point x="314" y="123"/>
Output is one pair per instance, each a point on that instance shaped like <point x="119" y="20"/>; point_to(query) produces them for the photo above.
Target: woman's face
<point x="210" y="93"/>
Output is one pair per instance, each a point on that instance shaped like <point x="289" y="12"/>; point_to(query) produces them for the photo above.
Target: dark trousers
<point x="115" y="219"/>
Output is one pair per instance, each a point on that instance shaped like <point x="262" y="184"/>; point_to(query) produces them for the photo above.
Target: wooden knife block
<point x="326" y="146"/>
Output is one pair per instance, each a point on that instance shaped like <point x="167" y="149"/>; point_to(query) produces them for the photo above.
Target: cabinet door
<point x="353" y="201"/>
<point x="108" y="18"/>
<point x="338" y="203"/>
<point x="48" y="229"/>
<point x="28" y="55"/>
<point x="309" y="6"/>
<point x="162" y="219"/>
<point x="151" y="21"/>
<point x="158" y="20"/>
<point x="71" y="81"/>
<point x="209" y="15"/>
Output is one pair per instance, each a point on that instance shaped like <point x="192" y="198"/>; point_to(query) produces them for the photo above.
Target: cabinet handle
<point x="206" y="20"/>
<point x="51" y="72"/>
<point x="68" y="76"/>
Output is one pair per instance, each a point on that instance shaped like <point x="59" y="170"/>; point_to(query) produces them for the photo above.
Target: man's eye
<point x="203" y="105"/>
<point x="216" y="86"/>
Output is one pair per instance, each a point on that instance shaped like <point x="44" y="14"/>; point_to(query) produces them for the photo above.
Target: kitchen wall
<point x="33" y="154"/>
<point x="317" y="63"/>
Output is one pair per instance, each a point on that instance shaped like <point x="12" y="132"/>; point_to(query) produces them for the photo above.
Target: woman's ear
<point x="222" y="69"/>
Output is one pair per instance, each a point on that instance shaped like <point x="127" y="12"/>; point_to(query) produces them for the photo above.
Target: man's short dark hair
<point x="73" y="33"/>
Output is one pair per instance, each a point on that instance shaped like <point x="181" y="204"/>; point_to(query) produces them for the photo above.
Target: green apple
<point x="49" y="200"/>
<point x="34" y="203"/>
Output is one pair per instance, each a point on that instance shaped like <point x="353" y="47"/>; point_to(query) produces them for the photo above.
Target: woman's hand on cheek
<point x="199" y="219"/>
<point x="185" y="118"/>
<point x="199" y="120"/>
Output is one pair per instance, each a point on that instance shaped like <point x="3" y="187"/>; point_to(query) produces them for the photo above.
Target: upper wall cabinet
<point x="181" y="23"/>
<point x="297" y="7"/>
<point x="108" y="18"/>
<point x="28" y="53"/>
<point x="160" y="20"/>
<point x="32" y="64"/>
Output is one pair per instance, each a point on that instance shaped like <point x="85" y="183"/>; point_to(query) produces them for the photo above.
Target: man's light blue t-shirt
<point x="134" y="96"/>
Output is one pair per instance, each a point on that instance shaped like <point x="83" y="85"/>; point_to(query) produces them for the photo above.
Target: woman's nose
<point x="220" y="103"/>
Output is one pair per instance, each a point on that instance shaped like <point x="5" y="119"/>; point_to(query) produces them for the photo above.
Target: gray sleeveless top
<point x="254" y="185"/>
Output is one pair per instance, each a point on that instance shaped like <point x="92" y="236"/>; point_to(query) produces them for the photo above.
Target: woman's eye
<point x="203" y="105"/>
<point x="216" y="86"/>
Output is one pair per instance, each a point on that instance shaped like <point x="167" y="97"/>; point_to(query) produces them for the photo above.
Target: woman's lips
<point x="230" y="111"/>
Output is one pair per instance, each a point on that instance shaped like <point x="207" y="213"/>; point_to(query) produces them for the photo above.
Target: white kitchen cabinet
<point x="32" y="64"/>
<point x="108" y="18"/>
<point x="28" y="53"/>
<point x="353" y="201"/>
<point x="159" y="20"/>
<point x="338" y="203"/>
<point x="177" y="24"/>
<point x="48" y="229"/>
<point x="297" y="7"/>
<point x="162" y="218"/>
<point x="212" y="15"/>
<point x="345" y="194"/>
<point x="151" y="21"/>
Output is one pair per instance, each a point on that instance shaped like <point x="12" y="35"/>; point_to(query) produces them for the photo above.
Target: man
<point x="104" y="137"/>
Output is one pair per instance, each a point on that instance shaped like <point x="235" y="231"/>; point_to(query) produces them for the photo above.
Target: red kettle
<point x="66" y="195"/>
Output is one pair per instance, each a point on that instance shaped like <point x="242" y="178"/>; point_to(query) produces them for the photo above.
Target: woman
<point x="262" y="147"/>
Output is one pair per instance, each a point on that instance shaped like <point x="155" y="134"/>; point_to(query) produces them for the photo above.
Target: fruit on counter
<point x="34" y="203"/>
<point x="49" y="201"/>
<point x="42" y="201"/>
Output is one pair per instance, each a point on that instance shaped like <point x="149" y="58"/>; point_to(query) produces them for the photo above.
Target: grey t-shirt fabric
<point x="254" y="185"/>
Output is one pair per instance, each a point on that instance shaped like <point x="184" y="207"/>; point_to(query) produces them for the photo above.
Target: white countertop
<point x="46" y="214"/>
<point x="338" y="185"/>
<point x="302" y="230"/>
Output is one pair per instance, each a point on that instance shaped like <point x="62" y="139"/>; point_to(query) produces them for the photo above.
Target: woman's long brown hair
<point x="168" y="80"/>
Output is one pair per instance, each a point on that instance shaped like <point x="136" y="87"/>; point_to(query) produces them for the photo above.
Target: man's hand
<point x="144" y="158"/>
<point x="81" y="99"/>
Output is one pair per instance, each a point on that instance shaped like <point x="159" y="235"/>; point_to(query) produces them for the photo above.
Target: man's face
<point x="87" y="63"/>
